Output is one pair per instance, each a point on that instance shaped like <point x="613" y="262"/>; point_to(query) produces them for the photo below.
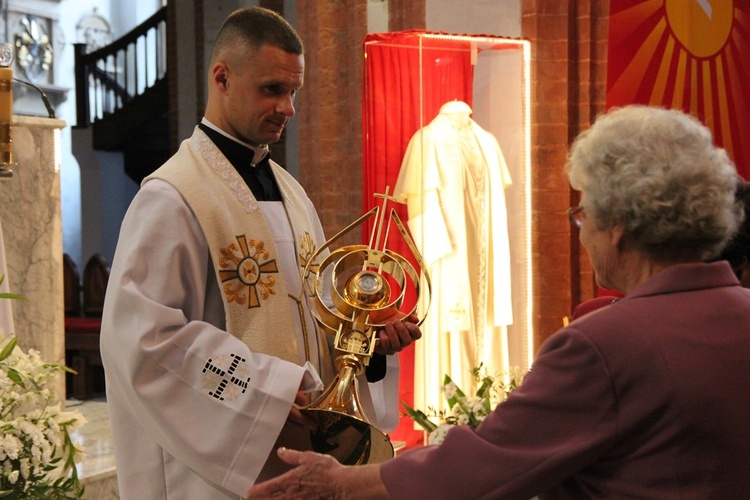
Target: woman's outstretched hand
<point x="320" y="476"/>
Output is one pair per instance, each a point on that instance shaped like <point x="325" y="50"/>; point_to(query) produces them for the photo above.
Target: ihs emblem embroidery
<point x="247" y="279"/>
<point x="226" y="377"/>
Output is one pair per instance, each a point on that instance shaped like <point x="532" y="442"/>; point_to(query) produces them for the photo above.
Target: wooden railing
<point x="111" y="77"/>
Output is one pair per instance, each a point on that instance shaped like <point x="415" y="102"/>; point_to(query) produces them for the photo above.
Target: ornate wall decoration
<point x="34" y="49"/>
<point x="94" y="30"/>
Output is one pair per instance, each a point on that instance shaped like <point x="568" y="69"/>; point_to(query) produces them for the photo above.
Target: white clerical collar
<point x="259" y="152"/>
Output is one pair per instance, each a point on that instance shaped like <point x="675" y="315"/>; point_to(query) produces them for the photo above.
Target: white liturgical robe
<point x="194" y="412"/>
<point x="453" y="177"/>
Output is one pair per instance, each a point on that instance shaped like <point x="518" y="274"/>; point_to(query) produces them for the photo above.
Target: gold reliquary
<point x="357" y="290"/>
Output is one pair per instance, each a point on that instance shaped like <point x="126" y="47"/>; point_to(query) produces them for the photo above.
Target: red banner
<point x="692" y="55"/>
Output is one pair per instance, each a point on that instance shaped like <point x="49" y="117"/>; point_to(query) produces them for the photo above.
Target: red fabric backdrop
<point x="407" y="77"/>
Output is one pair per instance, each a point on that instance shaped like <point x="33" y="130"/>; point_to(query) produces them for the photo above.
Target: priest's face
<point x="258" y="99"/>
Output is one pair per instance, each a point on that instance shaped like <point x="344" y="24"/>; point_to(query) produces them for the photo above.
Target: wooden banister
<point x="109" y="78"/>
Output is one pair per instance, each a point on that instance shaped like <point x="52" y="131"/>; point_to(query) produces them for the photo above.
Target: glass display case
<point x="446" y="131"/>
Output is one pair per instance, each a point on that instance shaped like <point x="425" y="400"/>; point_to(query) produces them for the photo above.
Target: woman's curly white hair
<point x="657" y="173"/>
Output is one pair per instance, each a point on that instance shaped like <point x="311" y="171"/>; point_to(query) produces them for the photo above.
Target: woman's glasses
<point x="575" y="214"/>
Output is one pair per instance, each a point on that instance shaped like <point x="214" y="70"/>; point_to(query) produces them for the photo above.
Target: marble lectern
<point x="30" y="215"/>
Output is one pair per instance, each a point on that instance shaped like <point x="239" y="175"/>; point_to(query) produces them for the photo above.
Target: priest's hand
<point x="397" y="334"/>
<point x="296" y="416"/>
<point x="320" y="476"/>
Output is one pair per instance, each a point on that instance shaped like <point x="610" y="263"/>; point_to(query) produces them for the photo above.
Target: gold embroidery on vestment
<point x="249" y="269"/>
<point x="307" y="248"/>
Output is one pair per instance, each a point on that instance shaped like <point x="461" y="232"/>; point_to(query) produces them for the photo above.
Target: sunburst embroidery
<point x="246" y="279"/>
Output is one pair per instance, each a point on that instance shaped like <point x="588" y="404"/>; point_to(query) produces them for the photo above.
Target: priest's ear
<point x="219" y="75"/>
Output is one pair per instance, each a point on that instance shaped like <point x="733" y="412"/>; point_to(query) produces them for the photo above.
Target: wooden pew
<point x="82" y="329"/>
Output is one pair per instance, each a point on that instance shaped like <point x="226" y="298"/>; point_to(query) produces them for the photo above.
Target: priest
<point x="208" y="343"/>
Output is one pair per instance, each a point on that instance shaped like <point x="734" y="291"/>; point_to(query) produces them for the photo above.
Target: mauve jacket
<point x="647" y="398"/>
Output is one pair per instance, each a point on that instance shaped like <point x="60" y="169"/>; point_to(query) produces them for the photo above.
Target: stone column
<point x="32" y="233"/>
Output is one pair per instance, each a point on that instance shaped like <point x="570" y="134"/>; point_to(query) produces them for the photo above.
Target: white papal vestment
<point x="453" y="177"/>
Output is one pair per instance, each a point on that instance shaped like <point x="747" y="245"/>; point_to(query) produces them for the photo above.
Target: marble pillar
<point x="32" y="234"/>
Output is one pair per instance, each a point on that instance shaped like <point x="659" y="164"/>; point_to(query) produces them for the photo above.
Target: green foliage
<point x="37" y="455"/>
<point x="463" y="409"/>
<point x="10" y="295"/>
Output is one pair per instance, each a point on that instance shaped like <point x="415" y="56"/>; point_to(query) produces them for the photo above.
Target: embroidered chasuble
<point x="254" y="292"/>
<point x="259" y="303"/>
<point x="453" y="177"/>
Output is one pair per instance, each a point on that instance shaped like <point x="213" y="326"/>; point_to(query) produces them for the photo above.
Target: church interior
<point x="109" y="90"/>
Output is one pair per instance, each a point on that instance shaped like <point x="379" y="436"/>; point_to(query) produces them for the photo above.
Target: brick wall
<point x="568" y="90"/>
<point x="330" y="110"/>
<point x="406" y="15"/>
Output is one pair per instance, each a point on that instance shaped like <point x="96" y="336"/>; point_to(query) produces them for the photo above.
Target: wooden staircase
<point x="122" y="93"/>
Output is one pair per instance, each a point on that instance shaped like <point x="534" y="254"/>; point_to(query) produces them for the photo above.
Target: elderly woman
<point x="648" y="397"/>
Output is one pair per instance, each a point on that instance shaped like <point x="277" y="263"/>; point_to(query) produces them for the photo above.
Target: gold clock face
<point x="33" y="48"/>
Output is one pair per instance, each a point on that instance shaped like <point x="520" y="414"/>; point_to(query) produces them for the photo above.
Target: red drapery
<point x="407" y="77"/>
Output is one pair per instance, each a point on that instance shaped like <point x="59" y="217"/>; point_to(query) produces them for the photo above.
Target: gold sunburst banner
<point x="692" y="55"/>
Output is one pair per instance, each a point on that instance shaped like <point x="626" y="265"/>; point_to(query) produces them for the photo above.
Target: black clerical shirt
<point x="259" y="178"/>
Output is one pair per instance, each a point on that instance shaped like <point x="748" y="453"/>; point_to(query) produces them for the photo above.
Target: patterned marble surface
<point x="32" y="229"/>
<point x="97" y="471"/>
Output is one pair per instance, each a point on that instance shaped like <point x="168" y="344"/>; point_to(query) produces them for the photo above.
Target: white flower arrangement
<point x="37" y="455"/>
<point x="463" y="409"/>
